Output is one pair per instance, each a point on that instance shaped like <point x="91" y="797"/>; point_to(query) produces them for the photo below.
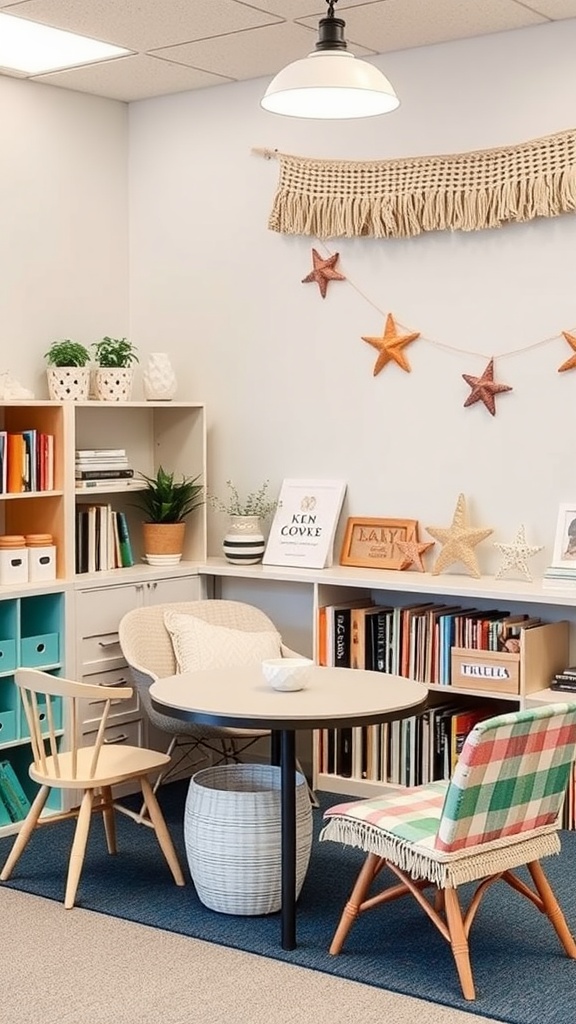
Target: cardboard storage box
<point x="544" y="650"/>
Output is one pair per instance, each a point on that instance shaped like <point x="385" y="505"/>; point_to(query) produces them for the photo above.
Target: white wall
<point x="286" y="377"/>
<point x="63" y="223"/>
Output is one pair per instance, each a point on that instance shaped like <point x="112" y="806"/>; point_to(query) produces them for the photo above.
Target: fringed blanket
<point x="402" y="198"/>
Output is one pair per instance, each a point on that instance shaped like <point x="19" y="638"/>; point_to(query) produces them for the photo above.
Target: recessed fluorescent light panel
<point x="34" y="49"/>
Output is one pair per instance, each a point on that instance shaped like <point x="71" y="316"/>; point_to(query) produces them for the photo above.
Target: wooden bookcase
<point x="80" y="613"/>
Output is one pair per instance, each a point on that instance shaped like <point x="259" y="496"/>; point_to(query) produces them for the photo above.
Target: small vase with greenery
<point x="68" y="370"/>
<point x="166" y="502"/>
<point x="244" y="543"/>
<point x="114" y="358"/>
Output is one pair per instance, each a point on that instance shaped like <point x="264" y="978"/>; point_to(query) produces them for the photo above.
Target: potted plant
<point x="114" y="358"/>
<point x="244" y="543"/>
<point x="166" y="502"/>
<point x="68" y="371"/>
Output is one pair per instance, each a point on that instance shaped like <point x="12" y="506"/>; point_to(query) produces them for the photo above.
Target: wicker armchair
<point x="147" y="647"/>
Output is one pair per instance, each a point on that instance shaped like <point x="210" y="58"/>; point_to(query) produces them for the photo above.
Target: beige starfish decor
<point x="516" y="555"/>
<point x="458" y="541"/>
<point x="413" y="551"/>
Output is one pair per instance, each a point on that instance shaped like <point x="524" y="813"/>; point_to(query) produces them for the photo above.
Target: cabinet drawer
<point x="92" y="709"/>
<point x="128" y="733"/>
<point x="99" y="652"/>
<point x="100" y="611"/>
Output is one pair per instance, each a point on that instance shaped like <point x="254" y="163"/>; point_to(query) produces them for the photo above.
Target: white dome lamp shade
<point x="330" y="82"/>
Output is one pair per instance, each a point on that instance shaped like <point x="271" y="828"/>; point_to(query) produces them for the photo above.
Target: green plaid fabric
<point x="510" y="780"/>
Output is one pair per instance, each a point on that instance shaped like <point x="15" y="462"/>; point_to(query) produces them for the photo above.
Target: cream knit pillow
<point x="200" y="645"/>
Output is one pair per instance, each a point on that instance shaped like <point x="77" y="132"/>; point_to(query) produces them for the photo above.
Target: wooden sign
<point x="371" y="543"/>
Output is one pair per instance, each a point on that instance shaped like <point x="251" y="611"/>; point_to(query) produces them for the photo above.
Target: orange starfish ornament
<point x="413" y="551"/>
<point x="323" y="271"/>
<point x="570" y="364"/>
<point x="390" y="346"/>
<point x="484" y="389"/>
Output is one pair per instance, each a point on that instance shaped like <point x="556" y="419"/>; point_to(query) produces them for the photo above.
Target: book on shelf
<point x="104" y="474"/>
<point x="462" y="723"/>
<point x="100" y="453"/>
<point x="16" y="454"/>
<point x="566" y="683"/>
<point x="126" y="555"/>
<point x="124" y="484"/>
<point x="338" y="630"/>
<point x="304" y="525"/>
<point x="12" y="793"/>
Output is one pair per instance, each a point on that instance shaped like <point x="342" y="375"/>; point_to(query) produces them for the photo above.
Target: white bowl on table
<point x="286" y="673"/>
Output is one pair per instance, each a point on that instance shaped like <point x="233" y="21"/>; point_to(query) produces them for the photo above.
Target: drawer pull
<point x="108" y="643"/>
<point x="117" y="682"/>
<point x="121" y="738"/>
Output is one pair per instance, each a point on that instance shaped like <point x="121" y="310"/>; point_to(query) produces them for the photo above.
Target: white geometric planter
<point x="232" y="834"/>
<point x="159" y="380"/>
<point x="114" y="384"/>
<point x="68" y="383"/>
<point x="244" y="543"/>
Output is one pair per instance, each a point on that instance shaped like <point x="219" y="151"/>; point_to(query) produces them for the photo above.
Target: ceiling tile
<point x="556" y="10"/>
<point x="399" y="24"/>
<point x="263" y="51"/>
<point x="131" y="78"/>
<point x="144" y="24"/>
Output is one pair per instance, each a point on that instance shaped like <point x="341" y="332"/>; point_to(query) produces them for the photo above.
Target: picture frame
<point x="371" y="543"/>
<point x="564" y="555"/>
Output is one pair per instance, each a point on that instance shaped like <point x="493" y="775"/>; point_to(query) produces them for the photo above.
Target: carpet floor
<point x="522" y="975"/>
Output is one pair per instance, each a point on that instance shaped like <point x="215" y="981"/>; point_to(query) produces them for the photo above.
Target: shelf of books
<point x="481" y="646"/>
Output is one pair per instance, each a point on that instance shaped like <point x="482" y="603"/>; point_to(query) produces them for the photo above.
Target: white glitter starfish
<point x="516" y="555"/>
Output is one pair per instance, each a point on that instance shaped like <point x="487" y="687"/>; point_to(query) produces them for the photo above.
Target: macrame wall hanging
<point x="402" y="198"/>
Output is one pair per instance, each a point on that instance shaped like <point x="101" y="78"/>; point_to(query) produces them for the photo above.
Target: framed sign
<point x="303" y="529"/>
<point x="565" y="540"/>
<point x="371" y="543"/>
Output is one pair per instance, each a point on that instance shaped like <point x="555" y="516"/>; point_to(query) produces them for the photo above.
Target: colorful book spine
<point x="126" y="553"/>
<point x="103" y="474"/>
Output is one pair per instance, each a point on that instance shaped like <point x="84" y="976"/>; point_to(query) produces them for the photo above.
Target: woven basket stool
<point x="232" y="834"/>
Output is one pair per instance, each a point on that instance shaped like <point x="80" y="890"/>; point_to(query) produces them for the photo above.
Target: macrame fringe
<point x="419" y="863"/>
<point x="403" y="198"/>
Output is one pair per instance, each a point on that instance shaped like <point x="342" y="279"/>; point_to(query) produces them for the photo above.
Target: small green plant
<point x="112" y="352"/>
<point x="256" y="503"/>
<point x="67" y="353"/>
<point x="167" y="500"/>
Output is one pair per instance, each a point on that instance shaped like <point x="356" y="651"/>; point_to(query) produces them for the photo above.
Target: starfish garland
<point x="413" y="551"/>
<point x="484" y="389"/>
<point x="390" y="345"/>
<point x="323" y="271"/>
<point x="516" y="554"/>
<point x="570" y="363"/>
<point x="458" y="540"/>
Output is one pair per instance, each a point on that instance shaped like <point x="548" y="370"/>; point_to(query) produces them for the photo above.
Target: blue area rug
<point x="522" y="975"/>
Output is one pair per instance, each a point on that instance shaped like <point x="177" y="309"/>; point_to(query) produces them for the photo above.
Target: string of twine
<point x="442" y="344"/>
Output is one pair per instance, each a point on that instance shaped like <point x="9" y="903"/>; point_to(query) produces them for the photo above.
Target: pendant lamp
<point x="330" y="82"/>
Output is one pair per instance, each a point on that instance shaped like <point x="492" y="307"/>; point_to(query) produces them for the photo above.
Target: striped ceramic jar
<point x="244" y="543"/>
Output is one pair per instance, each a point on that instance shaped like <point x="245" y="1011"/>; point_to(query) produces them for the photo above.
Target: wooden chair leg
<point x="109" y="819"/>
<point x="352" y="908"/>
<point x="161" y="830"/>
<point x="78" y="848"/>
<point x="552" y="908"/>
<point x="459" y="942"/>
<point x="26" y="830"/>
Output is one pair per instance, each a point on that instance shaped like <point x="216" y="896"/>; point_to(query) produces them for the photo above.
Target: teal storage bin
<point x="7" y="726"/>
<point x="56" y="717"/>
<point x="7" y="655"/>
<point x="36" y="651"/>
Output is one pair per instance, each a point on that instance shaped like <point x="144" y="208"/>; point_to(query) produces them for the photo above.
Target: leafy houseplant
<point x="114" y="352"/>
<point x="114" y="358"/>
<point x="166" y="502"/>
<point x="244" y="543"/>
<point x="68" y="371"/>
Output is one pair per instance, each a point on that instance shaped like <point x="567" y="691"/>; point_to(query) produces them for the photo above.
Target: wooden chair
<point x="94" y="770"/>
<point x="499" y="811"/>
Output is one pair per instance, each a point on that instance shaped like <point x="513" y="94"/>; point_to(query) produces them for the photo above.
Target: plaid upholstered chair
<point x="499" y="811"/>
